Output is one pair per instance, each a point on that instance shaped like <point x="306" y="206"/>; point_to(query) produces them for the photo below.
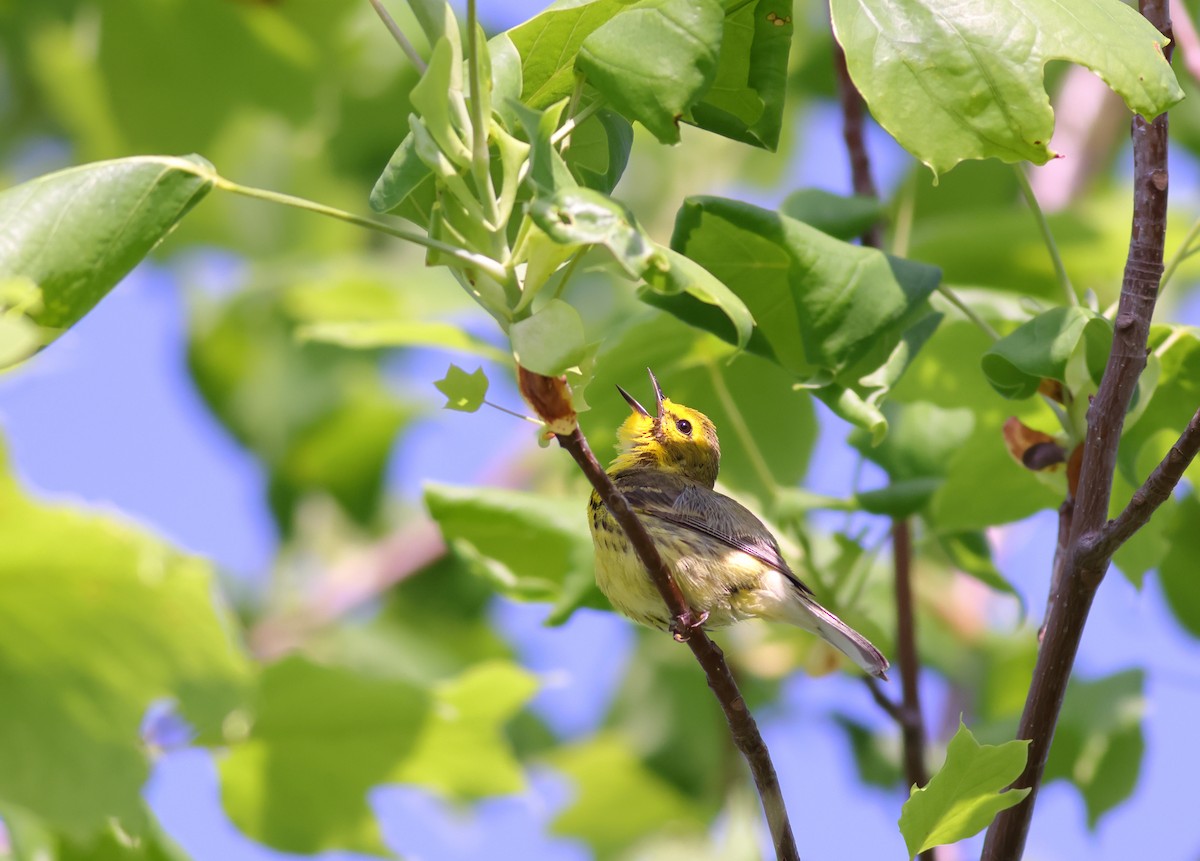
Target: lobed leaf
<point x="464" y="392"/>
<point x="966" y="793"/>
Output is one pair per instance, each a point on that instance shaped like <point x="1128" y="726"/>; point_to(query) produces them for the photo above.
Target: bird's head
<point x="677" y="439"/>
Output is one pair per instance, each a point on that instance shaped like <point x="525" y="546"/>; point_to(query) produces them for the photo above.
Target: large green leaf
<point x="30" y="839"/>
<point x="966" y="793"/>
<point x="745" y="100"/>
<point x="549" y="341"/>
<point x="98" y="620"/>
<point x="78" y="232"/>
<point x="654" y="60"/>
<point x="1098" y="742"/>
<point x="845" y="320"/>
<point x="965" y="80"/>
<point x="530" y="547"/>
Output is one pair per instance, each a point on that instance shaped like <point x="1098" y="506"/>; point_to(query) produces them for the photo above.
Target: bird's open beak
<point x="632" y="401"/>
<point x="658" y="395"/>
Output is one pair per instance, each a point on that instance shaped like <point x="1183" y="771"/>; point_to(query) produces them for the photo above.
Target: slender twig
<point x="1146" y="499"/>
<point x="912" y="722"/>
<point x="1060" y="271"/>
<point x="687" y="627"/>
<point x="1083" y="567"/>
<point x="1185" y="251"/>
<point x="398" y="34"/>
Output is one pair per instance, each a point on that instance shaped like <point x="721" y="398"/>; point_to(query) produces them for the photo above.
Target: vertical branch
<point x="1086" y="558"/>
<point x="907" y="713"/>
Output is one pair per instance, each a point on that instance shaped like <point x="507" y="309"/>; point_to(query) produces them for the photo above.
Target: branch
<point x="687" y="628"/>
<point x="852" y="134"/>
<point x="1083" y="568"/>
<point x="1146" y="499"/>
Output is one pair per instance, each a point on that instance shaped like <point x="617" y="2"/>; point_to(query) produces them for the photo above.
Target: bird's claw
<point x="682" y="626"/>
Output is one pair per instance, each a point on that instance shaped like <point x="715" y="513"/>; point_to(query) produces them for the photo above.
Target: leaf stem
<point x="398" y="34"/>
<point x="467" y="258"/>
<point x="955" y="300"/>
<point x="1060" y="270"/>
<point x="1185" y="251"/>
<point x="575" y="122"/>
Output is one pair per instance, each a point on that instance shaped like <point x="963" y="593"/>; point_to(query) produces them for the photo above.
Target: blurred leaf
<point x="654" y="59"/>
<point x="78" y="232"/>
<point x="971" y="554"/>
<point x="373" y="334"/>
<point x="31" y="840"/>
<point x="531" y="547"/>
<point x="1041" y="349"/>
<point x="461" y="752"/>
<point x="618" y="801"/>
<point x="464" y="392"/>
<point x="1171" y="406"/>
<point x="877" y="761"/>
<point x="1181" y="586"/>
<point x="922" y="69"/>
<point x="550" y="340"/>
<point x="840" y="217"/>
<point x="548" y="44"/>
<point x="966" y="793"/>
<point x="320" y="418"/>
<point x="98" y="620"/>
<point x="1098" y="742"/>
<point x="745" y="101"/>
<point x="321" y="738"/>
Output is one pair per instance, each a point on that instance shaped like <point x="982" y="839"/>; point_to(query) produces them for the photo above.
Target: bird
<point x="725" y="560"/>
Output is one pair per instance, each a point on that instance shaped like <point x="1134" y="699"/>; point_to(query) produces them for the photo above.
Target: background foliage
<point x="383" y="627"/>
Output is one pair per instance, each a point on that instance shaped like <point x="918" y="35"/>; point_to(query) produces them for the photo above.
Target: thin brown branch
<point x="687" y="627"/>
<point x="853" y="122"/>
<point x="1066" y="514"/>
<point x="1146" y="499"/>
<point x="1084" y="570"/>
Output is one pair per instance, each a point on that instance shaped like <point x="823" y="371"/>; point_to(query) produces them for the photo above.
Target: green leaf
<point x="98" y="620"/>
<point x="654" y="60"/>
<point x="599" y="150"/>
<point x="877" y="761"/>
<point x="549" y="43"/>
<point x="1098" y="742"/>
<point x="899" y="498"/>
<point x="548" y="173"/>
<point x="403" y="175"/>
<point x="746" y="98"/>
<point x="78" y="232"/>
<point x="550" y="340"/>
<point x="321" y="738"/>
<point x="464" y="392"/>
<point x="529" y="546"/>
<point x="1042" y="349"/>
<point x="1178" y="570"/>
<point x="966" y="81"/>
<point x="438" y="98"/>
<point x="684" y="275"/>
<point x="923" y="437"/>
<point x="841" y="217"/>
<point x="1171" y="405"/>
<point x="462" y="752"/>
<point x="580" y="216"/>
<point x="966" y="793"/>
<point x="618" y="801"/>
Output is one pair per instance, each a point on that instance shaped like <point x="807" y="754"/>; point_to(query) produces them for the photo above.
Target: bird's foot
<point x="682" y="626"/>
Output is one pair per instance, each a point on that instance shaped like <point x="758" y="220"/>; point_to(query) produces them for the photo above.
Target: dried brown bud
<point x="550" y="398"/>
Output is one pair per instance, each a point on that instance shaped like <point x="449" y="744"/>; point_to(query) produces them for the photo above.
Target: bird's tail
<point x="808" y="614"/>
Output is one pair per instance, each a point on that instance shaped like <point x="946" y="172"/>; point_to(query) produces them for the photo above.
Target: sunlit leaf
<point x="966" y="81"/>
<point x="550" y="340"/>
<point x="966" y="793"/>
<point x="549" y="43"/>
<point x="1042" y="348"/>
<point x="464" y="392"/>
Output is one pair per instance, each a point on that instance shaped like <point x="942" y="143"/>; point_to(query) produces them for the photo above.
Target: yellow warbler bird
<point x="725" y="560"/>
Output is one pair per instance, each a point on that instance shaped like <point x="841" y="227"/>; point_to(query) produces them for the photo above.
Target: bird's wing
<point x="720" y="517"/>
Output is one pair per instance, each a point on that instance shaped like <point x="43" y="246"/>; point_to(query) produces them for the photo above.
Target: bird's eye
<point x="685" y="427"/>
